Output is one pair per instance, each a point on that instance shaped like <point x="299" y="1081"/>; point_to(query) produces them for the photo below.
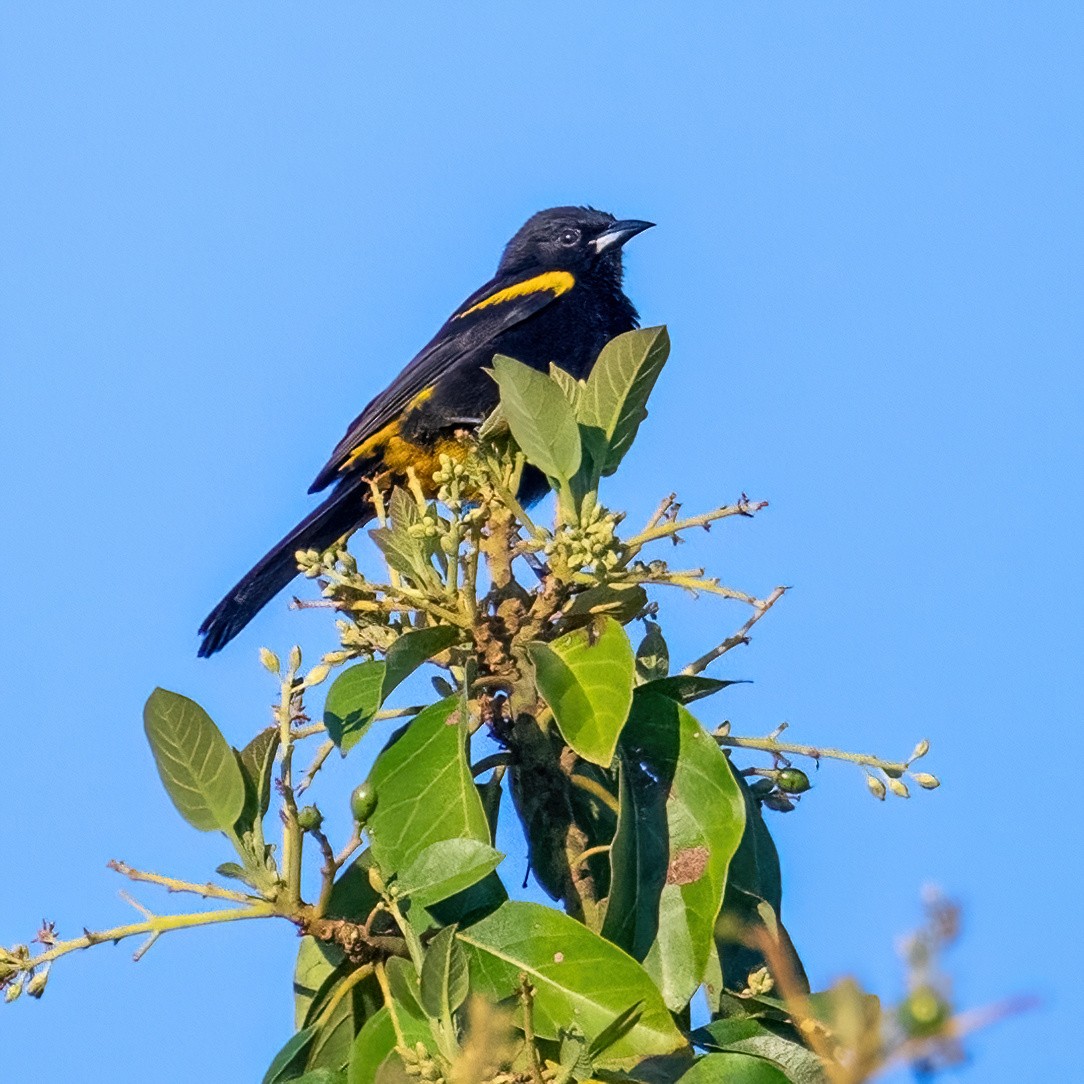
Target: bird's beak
<point x="618" y="233"/>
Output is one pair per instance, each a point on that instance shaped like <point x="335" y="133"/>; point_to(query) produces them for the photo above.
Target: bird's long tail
<point x="345" y="510"/>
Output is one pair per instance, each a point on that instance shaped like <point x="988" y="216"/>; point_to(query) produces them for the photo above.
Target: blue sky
<point x="224" y="227"/>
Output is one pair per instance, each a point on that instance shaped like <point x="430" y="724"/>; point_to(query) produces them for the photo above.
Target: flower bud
<point x="317" y="674"/>
<point x="876" y="787"/>
<point x="920" y="750"/>
<point x="898" y="788"/>
<point x="295" y="658"/>
<point x="926" y="781"/>
<point x="270" y="661"/>
<point x="36" y="986"/>
<point x="13" y="991"/>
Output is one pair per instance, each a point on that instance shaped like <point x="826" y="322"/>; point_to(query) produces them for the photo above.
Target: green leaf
<point x="621" y="601"/>
<point x="685" y="688"/>
<point x="445" y="868"/>
<point x="425" y="793"/>
<point x="616" y="1029"/>
<point x="578" y="978"/>
<point x="405" y="984"/>
<point x="256" y="761"/>
<point x="571" y="387"/>
<point x="682" y="818"/>
<point x="321" y="1076"/>
<point x="353" y="701"/>
<point x="334" y="1039"/>
<point x="445" y="981"/>
<point x="315" y="972"/>
<point x="198" y="768"/>
<point x="289" y="1061"/>
<point x="733" y="1069"/>
<point x="540" y="417"/>
<point x="754" y="894"/>
<point x="586" y="677"/>
<point x="746" y="1036"/>
<point x="652" y="656"/>
<point x="615" y="399"/>
<point x="414" y="648"/>
<point x="374" y="1046"/>
<point x="358" y="693"/>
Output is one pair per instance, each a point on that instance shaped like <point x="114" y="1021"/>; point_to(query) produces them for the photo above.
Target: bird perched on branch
<point x="556" y="297"/>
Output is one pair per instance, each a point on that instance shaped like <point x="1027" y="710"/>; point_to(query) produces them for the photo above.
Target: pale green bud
<point x="876" y="787"/>
<point x="295" y="659"/>
<point x="270" y="661"/>
<point x="13" y="991"/>
<point x="920" y="750"/>
<point x="898" y="788"/>
<point x="36" y="986"/>
<point x="317" y="674"/>
<point x="926" y="781"/>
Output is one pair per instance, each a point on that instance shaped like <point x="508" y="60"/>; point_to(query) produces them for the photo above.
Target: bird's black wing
<point x="498" y="306"/>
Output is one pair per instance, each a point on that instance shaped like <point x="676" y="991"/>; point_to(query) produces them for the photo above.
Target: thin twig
<point x="207" y="891"/>
<point x="705" y="519"/>
<point x="761" y="607"/>
<point x="526" y="996"/>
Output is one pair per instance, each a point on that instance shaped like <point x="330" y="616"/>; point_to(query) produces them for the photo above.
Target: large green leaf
<point x="374" y="1047"/>
<point x="540" y="416"/>
<point x="586" y="677"/>
<point x="580" y="979"/>
<point x="615" y="399"/>
<point x="733" y="1069"/>
<point x="747" y="1036"/>
<point x="358" y="693"/>
<point x="289" y="1062"/>
<point x="425" y="793"/>
<point x="685" y="688"/>
<point x="444" y="985"/>
<point x="198" y="768"/>
<point x="682" y="817"/>
<point x="445" y="868"/>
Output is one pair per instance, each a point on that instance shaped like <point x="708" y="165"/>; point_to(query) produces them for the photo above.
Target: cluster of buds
<point x="590" y="544"/>
<point x="418" y="1062"/>
<point x="891" y="779"/>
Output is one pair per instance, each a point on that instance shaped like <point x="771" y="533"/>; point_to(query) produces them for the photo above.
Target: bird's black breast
<point x="569" y="332"/>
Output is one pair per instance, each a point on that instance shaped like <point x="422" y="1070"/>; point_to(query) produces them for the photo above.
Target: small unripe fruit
<point x="793" y="781"/>
<point x="924" y="1013"/>
<point x="363" y="802"/>
<point x="309" y="818"/>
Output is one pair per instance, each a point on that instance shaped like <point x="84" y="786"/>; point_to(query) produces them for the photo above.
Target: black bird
<point x="556" y="297"/>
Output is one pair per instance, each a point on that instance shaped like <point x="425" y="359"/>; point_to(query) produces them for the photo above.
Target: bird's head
<point x="576" y="239"/>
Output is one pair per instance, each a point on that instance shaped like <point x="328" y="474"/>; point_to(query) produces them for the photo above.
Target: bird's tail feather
<point x="344" y="511"/>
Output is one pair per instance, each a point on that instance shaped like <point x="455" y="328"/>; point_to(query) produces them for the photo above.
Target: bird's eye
<point x="569" y="237"/>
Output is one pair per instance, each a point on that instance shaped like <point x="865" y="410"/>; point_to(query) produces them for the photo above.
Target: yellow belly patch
<point x="554" y="282"/>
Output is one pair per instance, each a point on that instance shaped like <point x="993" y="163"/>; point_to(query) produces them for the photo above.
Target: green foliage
<point x="682" y="818"/>
<point x="586" y="678"/>
<point x="359" y="692"/>
<point x="414" y="964"/>
<point x="578" y="976"/>
<point x="199" y="770"/>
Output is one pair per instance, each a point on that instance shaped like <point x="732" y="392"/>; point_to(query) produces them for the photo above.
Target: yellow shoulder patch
<point x="554" y="282"/>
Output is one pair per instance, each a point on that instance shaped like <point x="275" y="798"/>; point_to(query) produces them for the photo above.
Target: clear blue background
<point x="223" y="227"/>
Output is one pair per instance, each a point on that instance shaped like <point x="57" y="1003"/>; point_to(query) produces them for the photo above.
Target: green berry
<point x="363" y="802"/>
